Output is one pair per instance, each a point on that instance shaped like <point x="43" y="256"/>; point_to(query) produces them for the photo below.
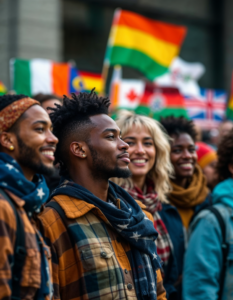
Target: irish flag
<point x="34" y="76"/>
<point x="142" y="43"/>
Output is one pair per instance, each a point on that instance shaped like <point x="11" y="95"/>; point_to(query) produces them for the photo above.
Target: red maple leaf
<point x="132" y="96"/>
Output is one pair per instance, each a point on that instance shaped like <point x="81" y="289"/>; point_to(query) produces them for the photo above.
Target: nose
<point x="51" y="138"/>
<point x="123" y="145"/>
<point x="186" y="154"/>
<point x="140" y="149"/>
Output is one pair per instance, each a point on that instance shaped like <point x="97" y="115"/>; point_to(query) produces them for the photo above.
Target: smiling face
<point x="141" y="150"/>
<point x="109" y="156"/>
<point x="183" y="157"/>
<point x="35" y="144"/>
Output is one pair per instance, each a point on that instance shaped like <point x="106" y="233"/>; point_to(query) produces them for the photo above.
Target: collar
<point x="18" y="201"/>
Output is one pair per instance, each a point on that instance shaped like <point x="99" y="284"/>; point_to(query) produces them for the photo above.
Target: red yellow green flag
<point x="3" y="89"/>
<point x="142" y="43"/>
<point x="230" y="103"/>
<point x="92" y="80"/>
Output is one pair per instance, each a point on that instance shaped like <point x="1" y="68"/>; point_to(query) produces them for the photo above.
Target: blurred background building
<point x="64" y="30"/>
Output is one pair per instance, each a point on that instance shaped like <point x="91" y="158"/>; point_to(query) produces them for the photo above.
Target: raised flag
<point x="34" y="76"/>
<point x="3" y="89"/>
<point x="125" y="93"/>
<point x="230" y="103"/>
<point x="207" y="110"/>
<point x="184" y="76"/>
<point x="162" y="102"/>
<point x="142" y="43"/>
<point x="92" y="80"/>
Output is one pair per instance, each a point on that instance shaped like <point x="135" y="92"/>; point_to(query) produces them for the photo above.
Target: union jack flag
<point x="208" y="109"/>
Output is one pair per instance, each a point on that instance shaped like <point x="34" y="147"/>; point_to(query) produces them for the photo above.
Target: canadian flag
<point x="125" y="93"/>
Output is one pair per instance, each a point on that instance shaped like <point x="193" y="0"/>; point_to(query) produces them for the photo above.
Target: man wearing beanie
<point x="207" y="160"/>
<point x="27" y="148"/>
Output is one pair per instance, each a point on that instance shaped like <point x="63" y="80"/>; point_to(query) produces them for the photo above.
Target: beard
<point x="28" y="158"/>
<point x="102" y="171"/>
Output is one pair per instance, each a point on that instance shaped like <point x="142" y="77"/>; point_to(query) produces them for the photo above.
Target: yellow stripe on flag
<point x="230" y="105"/>
<point x="160" y="51"/>
<point x="91" y="82"/>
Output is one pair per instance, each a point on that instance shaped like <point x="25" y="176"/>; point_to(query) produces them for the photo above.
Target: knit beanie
<point x="205" y="154"/>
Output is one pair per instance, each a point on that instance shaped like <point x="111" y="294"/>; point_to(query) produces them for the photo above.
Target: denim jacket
<point x="204" y="260"/>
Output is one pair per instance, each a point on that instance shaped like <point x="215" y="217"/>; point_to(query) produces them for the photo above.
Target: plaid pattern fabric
<point x="31" y="276"/>
<point x="95" y="266"/>
<point x="150" y="200"/>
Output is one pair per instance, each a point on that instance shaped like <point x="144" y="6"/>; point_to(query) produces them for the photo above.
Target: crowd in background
<point x="180" y="177"/>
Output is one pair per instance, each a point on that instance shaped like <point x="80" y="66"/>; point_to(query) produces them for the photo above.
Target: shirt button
<point x="129" y="286"/>
<point x="126" y="271"/>
<point x="103" y="254"/>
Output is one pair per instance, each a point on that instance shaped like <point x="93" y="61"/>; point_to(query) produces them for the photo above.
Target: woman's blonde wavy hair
<point x="163" y="168"/>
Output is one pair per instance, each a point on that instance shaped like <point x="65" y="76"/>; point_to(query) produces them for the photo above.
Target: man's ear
<point x="230" y="168"/>
<point x="7" y="141"/>
<point x="79" y="149"/>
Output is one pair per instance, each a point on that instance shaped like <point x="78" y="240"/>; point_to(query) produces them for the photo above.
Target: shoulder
<point x="143" y="207"/>
<point x="7" y="214"/>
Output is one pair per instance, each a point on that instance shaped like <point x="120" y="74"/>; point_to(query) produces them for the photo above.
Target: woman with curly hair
<point x="188" y="196"/>
<point x="204" y="266"/>
<point x="150" y="166"/>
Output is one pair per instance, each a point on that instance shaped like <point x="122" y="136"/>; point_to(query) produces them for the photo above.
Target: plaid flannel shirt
<point x="97" y="266"/>
<point x="31" y="276"/>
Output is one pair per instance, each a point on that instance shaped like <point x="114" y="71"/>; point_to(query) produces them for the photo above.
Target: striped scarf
<point x="150" y="200"/>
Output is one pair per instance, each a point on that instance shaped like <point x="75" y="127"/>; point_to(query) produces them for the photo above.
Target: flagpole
<point x="105" y="71"/>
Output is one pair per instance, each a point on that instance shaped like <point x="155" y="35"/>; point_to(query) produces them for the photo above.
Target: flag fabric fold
<point x="142" y="43"/>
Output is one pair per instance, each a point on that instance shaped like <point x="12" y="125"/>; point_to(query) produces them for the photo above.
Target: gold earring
<point x="12" y="148"/>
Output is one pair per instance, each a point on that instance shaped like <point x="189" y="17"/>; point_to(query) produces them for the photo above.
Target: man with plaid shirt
<point x="102" y="241"/>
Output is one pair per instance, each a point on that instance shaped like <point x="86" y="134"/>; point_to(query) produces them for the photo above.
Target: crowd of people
<point x="92" y="208"/>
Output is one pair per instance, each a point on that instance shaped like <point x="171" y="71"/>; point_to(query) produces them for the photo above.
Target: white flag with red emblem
<point x="125" y="93"/>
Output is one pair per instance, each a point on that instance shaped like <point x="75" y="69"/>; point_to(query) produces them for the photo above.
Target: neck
<point x="97" y="186"/>
<point x="183" y="182"/>
<point x="139" y="181"/>
<point x="28" y="173"/>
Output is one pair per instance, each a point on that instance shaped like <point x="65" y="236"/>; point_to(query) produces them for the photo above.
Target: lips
<point x="124" y="157"/>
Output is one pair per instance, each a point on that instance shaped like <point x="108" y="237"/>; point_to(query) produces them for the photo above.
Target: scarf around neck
<point x="133" y="225"/>
<point x="34" y="193"/>
<point x="193" y="195"/>
<point x="185" y="200"/>
<point x="150" y="199"/>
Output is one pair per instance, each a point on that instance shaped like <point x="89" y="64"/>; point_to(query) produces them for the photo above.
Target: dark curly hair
<point x="74" y="118"/>
<point x="225" y="156"/>
<point x="8" y="99"/>
<point x="176" y="126"/>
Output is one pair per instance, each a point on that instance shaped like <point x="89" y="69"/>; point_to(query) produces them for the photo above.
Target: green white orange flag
<point x="142" y="43"/>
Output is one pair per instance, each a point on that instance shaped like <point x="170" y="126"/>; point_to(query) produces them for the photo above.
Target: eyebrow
<point x="41" y="122"/>
<point x="134" y="138"/>
<point x="111" y="129"/>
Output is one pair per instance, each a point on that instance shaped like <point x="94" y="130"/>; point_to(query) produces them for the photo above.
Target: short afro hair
<point x="9" y="99"/>
<point x="178" y="125"/>
<point x="74" y="117"/>
<point x="225" y="156"/>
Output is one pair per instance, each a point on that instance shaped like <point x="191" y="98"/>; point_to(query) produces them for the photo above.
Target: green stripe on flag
<point x="166" y="112"/>
<point x="136" y="59"/>
<point x="22" y="77"/>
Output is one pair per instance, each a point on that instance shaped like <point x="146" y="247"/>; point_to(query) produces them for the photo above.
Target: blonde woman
<point x="149" y="152"/>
